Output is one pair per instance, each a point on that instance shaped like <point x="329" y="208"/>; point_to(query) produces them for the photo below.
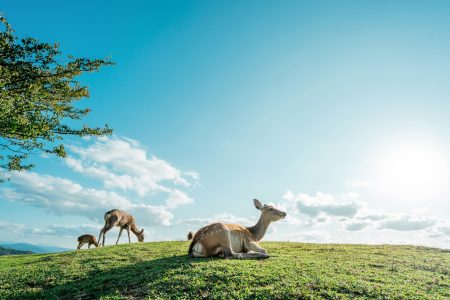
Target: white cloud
<point x="63" y="230"/>
<point x="350" y="220"/>
<point x="423" y="226"/>
<point x="374" y="216"/>
<point x="398" y="222"/>
<point x="444" y="229"/>
<point x="322" y="204"/>
<point x="177" y="198"/>
<point x="152" y="214"/>
<point x="122" y="163"/>
<point x="407" y="223"/>
<point x="61" y="196"/>
<point x="356" y="225"/>
<point x="51" y="230"/>
<point x="193" y="176"/>
<point x="11" y="227"/>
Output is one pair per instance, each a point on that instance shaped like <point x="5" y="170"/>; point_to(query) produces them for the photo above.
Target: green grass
<point x="295" y="270"/>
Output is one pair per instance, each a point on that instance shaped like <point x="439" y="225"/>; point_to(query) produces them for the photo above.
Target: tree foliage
<point x="38" y="93"/>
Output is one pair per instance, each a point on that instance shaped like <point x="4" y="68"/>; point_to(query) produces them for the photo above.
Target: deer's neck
<point x="259" y="230"/>
<point x="134" y="229"/>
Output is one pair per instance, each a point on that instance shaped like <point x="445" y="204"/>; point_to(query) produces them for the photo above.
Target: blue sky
<point x="336" y="111"/>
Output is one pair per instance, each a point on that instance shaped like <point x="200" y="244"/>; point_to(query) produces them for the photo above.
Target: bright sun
<point x="413" y="170"/>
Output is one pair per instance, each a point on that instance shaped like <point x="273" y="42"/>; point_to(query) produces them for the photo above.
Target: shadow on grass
<point x="134" y="281"/>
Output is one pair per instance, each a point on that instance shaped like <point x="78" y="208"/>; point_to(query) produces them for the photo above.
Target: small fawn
<point x="86" y="239"/>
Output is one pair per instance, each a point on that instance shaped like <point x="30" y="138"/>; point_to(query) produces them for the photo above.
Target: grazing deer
<point x="123" y="220"/>
<point x="86" y="238"/>
<point x="233" y="240"/>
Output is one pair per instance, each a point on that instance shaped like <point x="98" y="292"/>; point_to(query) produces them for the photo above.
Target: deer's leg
<point x="128" y="231"/>
<point x="227" y="251"/>
<point x="100" y="236"/>
<point x="89" y="246"/>
<point x="105" y="229"/>
<point x="109" y="224"/>
<point x="120" y="233"/>
<point x="253" y="246"/>
<point x="250" y="255"/>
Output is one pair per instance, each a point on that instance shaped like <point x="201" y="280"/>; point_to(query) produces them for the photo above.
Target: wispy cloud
<point x="11" y="227"/>
<point x="177" y="198"/>
<point x="62" y="196"/>
<point x="407" y="223"/>
<point x="122" y="165"/>
<point x="60" y="231"/>
<point x="445" y="229"/>
<point x="321" y="204"/>
<point x="391" y="221"/>
<point x="356" y="225"/>
<point x="351" y="214"/>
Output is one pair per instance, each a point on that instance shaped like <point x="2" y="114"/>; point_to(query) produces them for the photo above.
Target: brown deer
<point x="123" y="220"/>
<point x="86" y="239"/>
<point x="233" y="240"/>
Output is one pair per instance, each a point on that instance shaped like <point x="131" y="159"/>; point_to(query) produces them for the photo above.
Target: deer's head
<point x="268" y="212"/>
<point x="140" y="236"/>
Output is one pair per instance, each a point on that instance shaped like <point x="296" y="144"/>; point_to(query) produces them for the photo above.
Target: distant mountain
<point x="6" y="251"/>
<point x="33" y="248"/>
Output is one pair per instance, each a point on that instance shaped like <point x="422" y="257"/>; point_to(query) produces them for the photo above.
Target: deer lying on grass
<point x="86" y="239"/>
<point x="123" y="220"/>
<point x="232" y="240"/>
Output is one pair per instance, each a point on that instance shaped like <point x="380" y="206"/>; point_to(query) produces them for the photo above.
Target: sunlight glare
<point x="413" y="170"/>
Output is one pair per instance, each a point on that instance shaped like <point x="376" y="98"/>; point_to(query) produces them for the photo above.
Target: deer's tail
<point x="190" y="237"/>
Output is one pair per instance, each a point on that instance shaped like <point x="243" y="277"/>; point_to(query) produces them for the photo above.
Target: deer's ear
<point x="257" y="203"/>
<point x="142" y="231"/>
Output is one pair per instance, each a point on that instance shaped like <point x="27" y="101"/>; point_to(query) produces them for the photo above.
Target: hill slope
<point x="295" y="270"/>
<point x="7" y="251"/>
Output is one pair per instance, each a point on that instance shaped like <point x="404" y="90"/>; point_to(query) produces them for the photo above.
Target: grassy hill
<point x="295" y="270"/>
